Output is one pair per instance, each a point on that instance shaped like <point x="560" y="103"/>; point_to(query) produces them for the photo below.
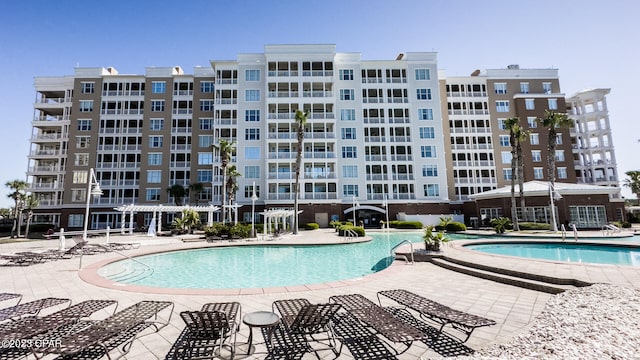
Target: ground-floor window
<point x="588" y="216"/>
<point x="486" y="214"/>
<point x="76" y="220"/>
<point x="537" y="214"/>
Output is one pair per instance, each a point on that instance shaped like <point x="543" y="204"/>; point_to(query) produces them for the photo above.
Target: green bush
<point x="311" y="226"/>
<point x="241" y="230"/>
<point x="217" y="229"/>
<point x="456" y="226"/>
<point x="359" y="230"/>
<point x="626" y="225"/>
<point x="534" y="226"/>
<point x="500" y="224"/>
<point x="405" y="224"/>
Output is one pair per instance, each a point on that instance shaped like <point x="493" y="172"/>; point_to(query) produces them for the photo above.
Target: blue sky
<point x="592" y="43"/>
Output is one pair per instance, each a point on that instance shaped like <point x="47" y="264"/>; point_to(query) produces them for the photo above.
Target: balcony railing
<point x="281" y="155"/>
<point x="281" y="175"/>
<point x="320" y="196"/>
<point x="326" y="175"/>
<point x="319" y="155"/>
<point x="40" y="137"/>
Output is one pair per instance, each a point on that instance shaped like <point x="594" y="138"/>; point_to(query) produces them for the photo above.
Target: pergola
<point x="278" y="217"/>
<point x="159" y="209"/>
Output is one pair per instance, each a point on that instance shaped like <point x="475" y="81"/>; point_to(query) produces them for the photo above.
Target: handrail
<point x="575" y="231"/>
<point x="147" y="267"/>
<point x="564" y="232"/>
<point x="393" y="254"/>
<point x="607" y="229"/>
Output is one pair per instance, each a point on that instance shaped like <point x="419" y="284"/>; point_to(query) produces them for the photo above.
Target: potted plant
<point x="432" y="240"/>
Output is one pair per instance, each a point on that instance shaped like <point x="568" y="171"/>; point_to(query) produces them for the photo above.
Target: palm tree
<point x="301" y="120"/>
<point x="512" y="124"/>
<point x="633" y="182"/>
<point x="232" y="185"/>
<point x="190" y="218"/>
<point x="197" y="189"/>
<point x="30" y="203"/>
<point x="521" y="136"/>
<point x="178" y="192"/>
<point x="18" y="186"/>
<point x="225" y="151"/>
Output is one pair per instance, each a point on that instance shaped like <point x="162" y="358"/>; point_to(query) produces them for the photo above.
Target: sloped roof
<point x="165" y="208"/>
<point x="541" y="188"/>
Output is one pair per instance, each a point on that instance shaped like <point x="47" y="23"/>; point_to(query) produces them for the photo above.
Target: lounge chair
<point x="95" y="339"/>
<point x="362" y="343"/>
<point x="207" y="331"/>
<point x="440" y="314"/>
<point x="10" y="296"/>
<point x="24" y="258"/>
<point x="312" y="321"/>
<point x="31" y="308"/>
<point x="381" y="321"/>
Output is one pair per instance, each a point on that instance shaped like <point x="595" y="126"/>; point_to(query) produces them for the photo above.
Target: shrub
<point x="432" y="241"/>
<point x="217" y="229"/>
<point x="405" y="224"/>
<point x="357" y="229"/>
<point x="241" y="230"/>
<point x="534" y="226"/>
<point x="311" y="226"/>
<point x="500" y="224"/>
<point x="626" y="224"/>
<point x="455" y="226"/>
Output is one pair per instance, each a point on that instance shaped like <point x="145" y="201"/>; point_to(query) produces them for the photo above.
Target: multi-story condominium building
<point x="378" y="132"/>
<point x="593" y="152"/>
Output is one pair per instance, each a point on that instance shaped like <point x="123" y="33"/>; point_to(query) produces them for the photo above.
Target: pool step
<point x="551" y="285"/>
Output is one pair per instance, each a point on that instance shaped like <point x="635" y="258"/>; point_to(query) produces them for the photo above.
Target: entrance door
<point x="322" y="219"/>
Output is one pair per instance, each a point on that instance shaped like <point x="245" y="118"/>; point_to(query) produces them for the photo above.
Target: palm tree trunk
<point x="26" y="231"/>
<point x="514" y="213"/>
<point x="223" y="193"/>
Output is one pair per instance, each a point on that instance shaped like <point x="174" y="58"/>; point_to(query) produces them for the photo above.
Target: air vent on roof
<point x="513" y="67"/>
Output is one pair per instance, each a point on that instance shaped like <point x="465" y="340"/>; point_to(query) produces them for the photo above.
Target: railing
<point x="350" y="235"/>
<point x="395" y="256"/>
<point x="609" y="229"/>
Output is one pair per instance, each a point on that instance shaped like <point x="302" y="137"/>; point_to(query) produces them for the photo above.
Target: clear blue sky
<point x="592" y="43"/>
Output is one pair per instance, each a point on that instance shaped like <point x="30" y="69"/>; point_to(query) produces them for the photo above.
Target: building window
<point x="524" y="87"/>
<point x="349" y="171"/>
<point x="205" y="158"/>
<point x="206" y="86"/>
<point x="553" y="104"/>
<point x="252" y="115"/>
<point x="423" y="74"/>
<point x="78" y="195"/>
<point x="205" y="141"/>
<point x="154" y="159"/>
<point x="350" y="190"/>
<point x="206" y="123"/>
<point x="84" y="125"/>
<point x="431" y="190"/>
<point x="83" y="142"/>
<point x="252" y="95"/>
<point x="156" y="124"/>
<point x="153" y="195"/>
<point x="502" y="106"/>
<point x="505" y="140"/>
<point x="534" y="139"/>
<point x="529" y="104"/>
<point x="205" y="176"/>
<point x="502" y="124"/>
<point x="206" y="105"/>
<point x="346" y="74"/>
<point x="87" y="87"/>
<point x="252" y="172"/>
<point x="248" y="193"/>
<point x="559" y="155"/>
<point x="154" y="176"/>
<point x="506" y="157"/>
<point x="506" y="174"/>
<point x="81" y="159"/>
<point x="157" y="105"/>
<point x="348" y="114"/>
<point x="423" y="94"/>
<point x="347" y="94"/>
<point x="252" y="75"/>
<point x="252" y="153"/>
<point x="348" y="133"/>
<point x="425" y="114"/>
<point x="537" y="173"/>
<point x="252" y="134"/>
<point x="349" y="152"/>
<point x="155" y="141"/>
<point x="427" y="151"/>
<point x="536" y="156"/>
<point x="76" y="220"/>
<point x="86" y="105"/>
<point x="80" y="177"/>
<point x="546" y="87"/>
<point x="158" y="87"/>
<point x="532" y="121"/>
<point x="500" y="88"/>
<point x="427" y="133"/>
<point x="562" y="173"/>
<point x="559" y="139"/>
<point x="429" y="170"/>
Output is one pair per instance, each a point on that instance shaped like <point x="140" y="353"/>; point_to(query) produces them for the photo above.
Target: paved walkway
<point x="514" y="309"/>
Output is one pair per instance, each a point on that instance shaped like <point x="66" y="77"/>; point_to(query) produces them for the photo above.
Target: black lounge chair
<point x="10" y="296"/>
<point x="31" y="308"/>
<point x="440" y="314"/>
<point x="207" y="331"/>
<point x="381" y="321"/>
<point x="362" y="343"/>
<point x="311" y="321"/>
<point x="95" y="339"/>
<point x="24" y="258"/>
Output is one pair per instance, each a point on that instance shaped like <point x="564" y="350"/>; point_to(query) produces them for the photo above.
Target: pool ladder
<point x="134" y="274"/>
<point x="395" y="256"/>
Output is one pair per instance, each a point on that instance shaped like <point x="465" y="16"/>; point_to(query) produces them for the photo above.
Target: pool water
<point x="257" y="266"/>
<point x="575" y="253"/>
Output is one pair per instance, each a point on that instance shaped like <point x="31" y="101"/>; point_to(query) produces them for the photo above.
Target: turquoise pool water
<point x="575" y="253"/>
<point x="256" y="266"/>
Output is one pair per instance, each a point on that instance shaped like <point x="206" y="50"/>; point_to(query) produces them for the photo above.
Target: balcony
<point x="318" y="73"/>
<point x="180" y="164"/>
<point x="282" y="73"/>
<point x="375" y="157"/>
<point x="316" y="135"/>
<point x="374" y="120"/>
<point x="279" y="196"/>
<point x="320" y="196"/>
<point x="319" y="155"/>
<point x="281" y="175"/>
<point x="180" y="147"/>
<point x="226" y="121"/>
<point x="399" y="120"/>
<point x="282" y="135"/>
<point x="182" y="111"/>
<point x="402" y="176"/>
<point x="50" y="120"/>
<point x="322" y="175"/>
<point x="317" y="94"/>
<point x="44" y="169"/>
<point x="401" y="157"/>
<point x="377" y="177"/>
<point x="47" y="153"/>
<point x="181" y="130"/>
<point x="281" y="155"/>
<point x="47" y="137"/>
<point x="226" y="101"/>
<point x="375" y="139"/>
<point x="283" y="94"/>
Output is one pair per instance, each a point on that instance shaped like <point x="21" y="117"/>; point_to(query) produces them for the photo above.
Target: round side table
<point x="260" y="319"/>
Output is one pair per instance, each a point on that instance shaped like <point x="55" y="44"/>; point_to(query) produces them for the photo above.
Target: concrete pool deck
<point x="513" y="308"/>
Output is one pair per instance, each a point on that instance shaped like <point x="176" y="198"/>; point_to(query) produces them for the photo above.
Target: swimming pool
<point x="258" y="266"/>
<point x="568" y="252"/>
